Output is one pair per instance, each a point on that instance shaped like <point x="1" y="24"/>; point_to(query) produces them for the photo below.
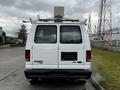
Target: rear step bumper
<point x="57" y="73"/>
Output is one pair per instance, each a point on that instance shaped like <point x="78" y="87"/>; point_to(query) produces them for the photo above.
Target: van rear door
<point x="71" y="53"/>
<point x="45" y="47"/>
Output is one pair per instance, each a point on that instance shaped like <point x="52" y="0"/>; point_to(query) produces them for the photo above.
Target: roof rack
<point x="58" y="20"/>
<point x="55" y="20"/>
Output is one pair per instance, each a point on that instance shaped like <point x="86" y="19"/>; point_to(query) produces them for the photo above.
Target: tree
<point x="22" y="33"/>
<point x="3" y="37"/>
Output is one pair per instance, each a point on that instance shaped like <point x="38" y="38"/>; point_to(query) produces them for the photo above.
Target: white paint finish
<point x="72" y="48"/>
<point x="41" y="67"/>
<point x="45" y="67"/>
<point x="28" y="66"/>
<point x="50" y="54"/>
<point x="74" y="67"/>
<point x="47" y="53"/>
<point x="28" y="63"/>
<point x="48" y="57"/>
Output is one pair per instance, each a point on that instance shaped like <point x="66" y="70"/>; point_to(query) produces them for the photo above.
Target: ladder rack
<point x="56" y="20"/>
<point x="59" y="20"/>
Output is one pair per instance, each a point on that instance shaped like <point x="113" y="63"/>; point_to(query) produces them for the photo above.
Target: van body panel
<point x="45" y="53"/>
<point x="74" y="48"/>
<point x="65" y="59"/>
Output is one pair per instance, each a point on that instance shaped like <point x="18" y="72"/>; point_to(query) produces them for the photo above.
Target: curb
<point x="95" y="83"/>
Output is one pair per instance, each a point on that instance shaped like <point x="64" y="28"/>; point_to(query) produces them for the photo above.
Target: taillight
<point x="27" y="55"/>
<point x="88" y="56"/>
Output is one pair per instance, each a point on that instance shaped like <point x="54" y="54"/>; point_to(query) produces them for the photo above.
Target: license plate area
<point x="68" y="56"/>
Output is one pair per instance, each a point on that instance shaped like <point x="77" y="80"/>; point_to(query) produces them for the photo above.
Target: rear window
<point x="46" y="34"/>
<point x="70" y="35"/>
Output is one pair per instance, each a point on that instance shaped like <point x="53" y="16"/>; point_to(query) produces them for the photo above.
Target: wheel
<point x="33" y="81"/>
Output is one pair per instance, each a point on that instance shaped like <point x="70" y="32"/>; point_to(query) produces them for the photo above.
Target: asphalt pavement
<point x="12" y="75"/>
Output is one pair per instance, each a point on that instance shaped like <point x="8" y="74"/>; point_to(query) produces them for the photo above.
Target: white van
<point x="58" y="50"/>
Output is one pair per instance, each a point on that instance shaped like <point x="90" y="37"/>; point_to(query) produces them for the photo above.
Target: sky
<point x="13" y="12"/>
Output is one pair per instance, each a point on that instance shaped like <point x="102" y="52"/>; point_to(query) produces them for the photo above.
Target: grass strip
<point x="107" y="63"/>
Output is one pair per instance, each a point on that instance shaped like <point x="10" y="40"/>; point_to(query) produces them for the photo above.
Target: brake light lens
<point x="88" y="56"/>
<point x="27" y="55"/>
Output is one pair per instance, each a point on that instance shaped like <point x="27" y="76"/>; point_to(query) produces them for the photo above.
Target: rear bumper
<point x="57" y="73"/>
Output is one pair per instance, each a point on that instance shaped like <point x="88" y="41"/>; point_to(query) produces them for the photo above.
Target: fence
<point x="113" y="45"/>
